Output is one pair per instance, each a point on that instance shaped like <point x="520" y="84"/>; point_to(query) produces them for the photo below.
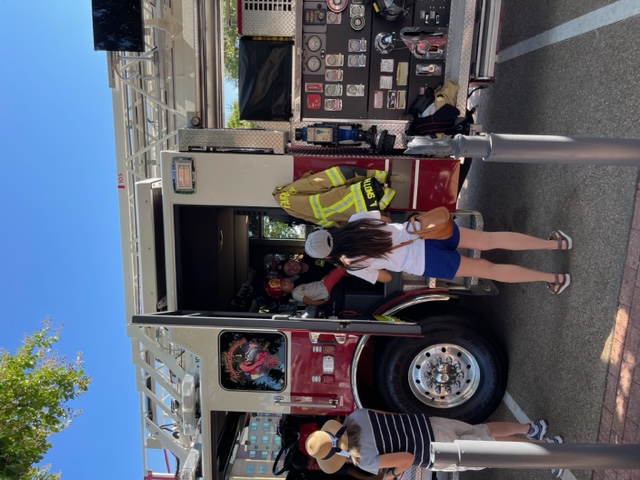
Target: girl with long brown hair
<point x="365" y="247"/>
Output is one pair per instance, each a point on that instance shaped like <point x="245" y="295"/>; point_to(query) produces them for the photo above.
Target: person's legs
<point x="506" y="431"/>
<point x="479" y="267"/>
<point x="449" y="430"/>
<point x="480" y="240"/>
<point x="511" y="438"/>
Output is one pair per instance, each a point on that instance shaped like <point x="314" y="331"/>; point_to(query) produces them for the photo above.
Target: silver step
<point x="460" y="47"/>
<point x="472" y="44"/>
<point x="486" y="54"/>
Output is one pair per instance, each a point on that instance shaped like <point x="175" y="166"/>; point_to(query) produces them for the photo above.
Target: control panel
<point x="371" y="60"/>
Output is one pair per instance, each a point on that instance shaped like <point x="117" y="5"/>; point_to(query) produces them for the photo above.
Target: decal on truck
<point x="252" y="361"/>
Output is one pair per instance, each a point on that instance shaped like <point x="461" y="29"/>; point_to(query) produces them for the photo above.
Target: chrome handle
<point x="279" y="402"/>
<point x="339" y="338"/>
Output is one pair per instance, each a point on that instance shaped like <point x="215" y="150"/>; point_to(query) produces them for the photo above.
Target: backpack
<point x="294" y="431"/>
<point x="446" y="120"/>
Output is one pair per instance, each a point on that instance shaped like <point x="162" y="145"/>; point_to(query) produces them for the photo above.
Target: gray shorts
<point x="447" y="430"/>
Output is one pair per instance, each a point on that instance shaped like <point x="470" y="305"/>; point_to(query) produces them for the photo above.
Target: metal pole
<point x="467" y="453"/>
<point x="548" y="149"/>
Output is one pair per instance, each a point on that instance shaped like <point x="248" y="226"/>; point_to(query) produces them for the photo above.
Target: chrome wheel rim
<point x="444" y="375"/>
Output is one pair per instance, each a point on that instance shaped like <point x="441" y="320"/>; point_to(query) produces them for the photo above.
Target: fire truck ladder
<point x="150" y="105"/>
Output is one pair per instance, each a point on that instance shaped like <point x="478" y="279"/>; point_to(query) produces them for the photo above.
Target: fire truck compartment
<point x="212" y="253"/>
<point x="217" y="260"/>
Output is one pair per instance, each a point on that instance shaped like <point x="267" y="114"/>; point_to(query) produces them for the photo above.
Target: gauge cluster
<point x="313" y="53"/>
<point x="360" y="62"/>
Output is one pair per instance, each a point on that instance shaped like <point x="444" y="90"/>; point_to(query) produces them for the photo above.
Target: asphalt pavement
<point x="572" y="357"/>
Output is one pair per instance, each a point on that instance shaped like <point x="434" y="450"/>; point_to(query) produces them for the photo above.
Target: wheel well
<point x="451" y="307"/>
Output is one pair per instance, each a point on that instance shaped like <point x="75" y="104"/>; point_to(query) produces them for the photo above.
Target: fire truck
<point x="326" y="83"/>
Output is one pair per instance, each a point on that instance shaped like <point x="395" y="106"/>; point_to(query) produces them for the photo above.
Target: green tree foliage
<point x="234" y="119"/>
<point x="231" y="44"/>
<point x="275" y="229"/>
<point x="36" y="384"/>
<point x="262" y="226"/>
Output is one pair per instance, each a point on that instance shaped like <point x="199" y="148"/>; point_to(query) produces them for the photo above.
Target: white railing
<point x="147" y="115"/>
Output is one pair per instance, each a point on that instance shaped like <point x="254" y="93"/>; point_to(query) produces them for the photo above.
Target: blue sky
<point x="61" y="231"/>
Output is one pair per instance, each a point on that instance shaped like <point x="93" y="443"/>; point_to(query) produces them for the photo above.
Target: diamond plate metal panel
<point x="188" y="139"/>
<point x="269" y="17"/>
<point x="460" y="47"/>
<point x="416" y="473"/>
<point x="396" y="128"/>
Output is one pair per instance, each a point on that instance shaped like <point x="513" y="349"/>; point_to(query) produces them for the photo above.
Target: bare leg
<point x="516" y="439"/>
<point x="479" y="240"/>
<point x="479" y="267"/>
<point x="506" y="429"/>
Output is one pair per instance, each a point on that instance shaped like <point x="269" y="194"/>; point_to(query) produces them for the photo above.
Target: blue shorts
<point x="441" y="257"/>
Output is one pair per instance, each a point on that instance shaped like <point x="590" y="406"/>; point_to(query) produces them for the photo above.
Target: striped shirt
<point x="392" y="433"/>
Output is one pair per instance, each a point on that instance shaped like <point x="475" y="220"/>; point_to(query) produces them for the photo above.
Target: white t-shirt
<point x="409" y="258"/>
<point x="313" y="291"/>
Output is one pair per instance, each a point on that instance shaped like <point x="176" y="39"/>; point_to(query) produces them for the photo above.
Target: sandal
<point x="560" y="236"/>
<point x="557" y="287"/>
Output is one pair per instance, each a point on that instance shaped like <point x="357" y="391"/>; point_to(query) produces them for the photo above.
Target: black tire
<point x="477" y="362"/>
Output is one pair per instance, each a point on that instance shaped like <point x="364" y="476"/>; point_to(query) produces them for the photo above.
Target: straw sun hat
<point x="329" y="446"/>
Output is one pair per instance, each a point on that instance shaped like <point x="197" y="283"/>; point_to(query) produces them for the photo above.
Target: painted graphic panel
<point x="253" y="361"/>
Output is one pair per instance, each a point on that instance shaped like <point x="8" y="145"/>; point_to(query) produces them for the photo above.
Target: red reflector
<point x="328" y="379"/>
<point x="329" y="349"/>
<point x="326" y="338"/>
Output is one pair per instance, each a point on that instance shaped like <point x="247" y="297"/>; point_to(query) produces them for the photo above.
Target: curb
<point x="620" y="417"/>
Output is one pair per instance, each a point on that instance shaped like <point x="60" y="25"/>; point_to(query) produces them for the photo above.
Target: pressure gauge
<point x="313" y="64"/>
<point x="337" y="5"/>
<point x="314" y="43"/>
